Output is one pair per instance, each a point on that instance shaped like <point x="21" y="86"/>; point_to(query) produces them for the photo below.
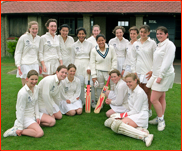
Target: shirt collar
<point x="27" y="88"/>
<point x="56" y="78"/>
<point x="148" y="39"/>
<point x="68" y="80"/>
<point x="48" y="33"/>
<point x="30" y="35"/>
<point x="81" y="42"/>
<point x="162" y="43"/>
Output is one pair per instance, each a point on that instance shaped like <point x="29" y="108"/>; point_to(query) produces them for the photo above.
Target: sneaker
<point x="10" y="132"/>
<point x="154" y="121"/>
<point x="150" y="113"/>
<point x="161" y="125"/>
<point x="148" y="140"/>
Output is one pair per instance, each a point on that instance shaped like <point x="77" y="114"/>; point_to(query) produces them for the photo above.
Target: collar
<point x="68" y="80"/>
<point x="27" y="88"/>
<point x="119" y="40"/>
<point x="78" y="41"/>
<point x="56" y="78"/>
<point x="30" y="34"/>
<point x="148" y="39"/>
<point x="137" y="87"/>
<point x="162" y="43"/>
<point x="48" y="33"/>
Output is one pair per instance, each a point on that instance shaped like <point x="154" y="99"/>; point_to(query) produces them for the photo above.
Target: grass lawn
<point x="86" y="131"/>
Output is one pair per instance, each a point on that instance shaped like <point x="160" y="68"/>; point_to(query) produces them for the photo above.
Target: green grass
<point x="86" y="131"/>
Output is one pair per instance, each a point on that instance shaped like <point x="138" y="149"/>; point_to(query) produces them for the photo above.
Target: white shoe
<point x="10" y="132"/>
<point x="148" y="140"/>
<point x="154" y="121"/>
<point x="150" y="113"/>
<point x="161" y="125"/>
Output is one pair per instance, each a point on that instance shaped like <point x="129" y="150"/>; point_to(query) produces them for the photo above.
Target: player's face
<point x="32" y="81"/>
<point x="33" y="30"/>
<point x="64" y="32"/>
<point x="52" y="28"/>
<point x="61" y="74"/>
<point x="143" y="33"/>
<point x="115" y="78"/>
<point x="161" y="36"/>
<point x="131" y="83"/>
<point x="71" y="72"/>
<point x="81" y="35"/>
<point x="101" y="42"/>
<point x="119" y="34"/>
<point x="95" y="31"/>
<point x="133" y="35"/>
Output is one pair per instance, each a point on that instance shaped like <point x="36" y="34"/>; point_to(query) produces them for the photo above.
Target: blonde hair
<point x="133" y="76"/>
<point x="96" y="26"/>
<point x="30" y="25"/>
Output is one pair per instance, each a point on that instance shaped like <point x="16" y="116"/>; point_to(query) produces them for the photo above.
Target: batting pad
<point x="121" y="128"/>
<point x="109" y="122"/>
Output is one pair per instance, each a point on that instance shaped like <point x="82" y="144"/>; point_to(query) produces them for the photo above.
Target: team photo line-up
<point x="138" y="73"/>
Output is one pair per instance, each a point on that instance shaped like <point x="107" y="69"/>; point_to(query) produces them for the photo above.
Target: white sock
<point x="161" y="118"/>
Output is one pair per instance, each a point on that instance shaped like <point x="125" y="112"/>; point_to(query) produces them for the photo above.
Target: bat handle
<point x="108" y="80"/>
<point x="88" y="77"/>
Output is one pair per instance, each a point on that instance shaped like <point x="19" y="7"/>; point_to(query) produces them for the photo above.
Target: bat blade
<point x="88" y="100"/>
<point x="101" y="100"/>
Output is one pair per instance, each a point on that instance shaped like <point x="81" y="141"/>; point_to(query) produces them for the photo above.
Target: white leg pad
<point x="121" y="128"/>
<point x="109" y="122"/>
<point x="142" y="129"/>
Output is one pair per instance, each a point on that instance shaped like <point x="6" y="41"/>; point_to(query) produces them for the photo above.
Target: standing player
<point x="28" y="118"/>
<point x="49" y="52"/>
<point x="133" y="123"/>
<point x="70" y="93"/>
<point x="103" y="60"/>
<point x="26" y="53"/>
<point x="117" y="99"/>
<point x="163" y="75"/>
<point x="119" y="43"/>
<point x="49" y="93"/>
<point x="81" y="58"/>
<point x="127" y="64"/>
<point x="142" y="53"/>
<point x="65" y="43"/>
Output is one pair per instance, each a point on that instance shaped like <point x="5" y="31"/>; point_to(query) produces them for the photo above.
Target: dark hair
<point x="164" y="29"/>
<point x="79" y="29"/>
<point x="100" y="35"/>
<point x="31" y="73"/>
<point x="61" y="67"/>
<point x="50" y="20"/>
<point x="71" y="66"/>
<point x="134" y="28"/>
<point x="115" y="71"/>
<point x="118" y="27"/>
<point x="64" y="25"/>
<point x="133" y="76"/>
<point x="146" y="27"/>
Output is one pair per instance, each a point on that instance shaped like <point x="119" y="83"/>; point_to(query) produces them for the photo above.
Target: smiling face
<point x="95" y="31"/>
<point x="115" y="78"/>
<point x="64" y="32"/>
<point x="81" y="35"/>
<point x="101" y="42"/>
<point x="33" y="30"/>
<point x="61" y="74"/>
<point x="161" y="36"/>
<point x="119" y="34"/>
<point x="131" y="83"/>
<point x="144" y="33"/>
<point x="133" y="35"/>
<point x="71" y="72"/>
<point x="32" y="81"/>
<point x="52" y="28"/>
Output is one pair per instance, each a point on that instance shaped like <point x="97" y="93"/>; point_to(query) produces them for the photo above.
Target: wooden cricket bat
<point x="88" y="96"/>
<point x="102" y="97"/>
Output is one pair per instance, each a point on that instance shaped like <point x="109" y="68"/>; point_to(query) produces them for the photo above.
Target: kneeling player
<point x="133" y="123"/>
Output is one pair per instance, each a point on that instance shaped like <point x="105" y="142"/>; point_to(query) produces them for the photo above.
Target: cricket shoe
<point x="154" y="121"/>
<point x="161" y="125"/>
<point x="148" y="140"/>
<point x="10" y="132"/>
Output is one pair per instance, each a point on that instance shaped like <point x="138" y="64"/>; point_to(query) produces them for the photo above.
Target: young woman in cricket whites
<point x="119" y="43"/>
<point x="49" y="52"/>
<point x="118" y="98"/>
<point x="28" y="118"/>
<point x="163" y="75"/>
<point x="103" y="60"/>
<point x="49" y="93"/>
<point x="133" y="123"/>
<point x="65" y="43"/>
<point x="127" y="64"/>
<point x="81" y="50"/>
<point x="70" y="93"/>
<point x="95" y="31"/>
<point x="142" y="53"/>
<point x="26" y="53"/>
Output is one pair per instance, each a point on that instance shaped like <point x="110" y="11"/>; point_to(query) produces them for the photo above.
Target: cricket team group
<point x="140" y="72"/>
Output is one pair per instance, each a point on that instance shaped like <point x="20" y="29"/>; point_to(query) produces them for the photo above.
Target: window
<point x="70" y="22"/>
<point x="79" y="22"/>
<point x="123" y="23"/>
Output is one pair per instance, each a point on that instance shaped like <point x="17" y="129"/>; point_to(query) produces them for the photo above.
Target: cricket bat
<point x="102" y="97"/>
<point x="88" y="97"/>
